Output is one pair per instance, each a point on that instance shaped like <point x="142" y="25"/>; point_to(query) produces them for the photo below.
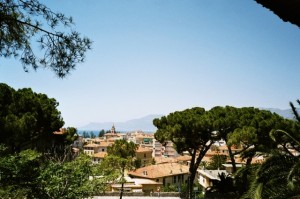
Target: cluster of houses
<point x="161" y="165"/>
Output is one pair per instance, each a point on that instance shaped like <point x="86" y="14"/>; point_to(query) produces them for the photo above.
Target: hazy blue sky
<point x="159" y="56"/>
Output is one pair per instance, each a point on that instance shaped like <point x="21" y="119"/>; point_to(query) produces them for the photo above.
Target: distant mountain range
<point x="286" y="113"/>
<point x="146" y="123"/>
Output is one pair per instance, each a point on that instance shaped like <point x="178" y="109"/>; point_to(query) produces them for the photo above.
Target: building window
<point x="174" y="179"/>
<point x="144" y="155"/>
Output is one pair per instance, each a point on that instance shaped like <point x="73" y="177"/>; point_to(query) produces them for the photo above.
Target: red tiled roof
<point x="183" y="158"/>
<point x="162" y="159"/>
<point x="100" y="155"/>
<point x="91" y="145"/>
<point x="143" y="150"/>
<point x="160" y="170"/>
<point x="105" y="144"/>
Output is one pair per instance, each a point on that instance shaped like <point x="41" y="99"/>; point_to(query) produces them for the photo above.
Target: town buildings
<point x="207" y="177"/>
<point x="137" y="185"/>
<point x="167" y="174"/>
<point x="144" y="155"/>
<point x="161" y="165"/>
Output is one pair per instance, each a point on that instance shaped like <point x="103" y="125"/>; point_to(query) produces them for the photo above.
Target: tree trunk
<point x="122" y="180"/>
<point x="121" y="194"/>
<point x="191" y="183"/>
<point x="232" y="159"/>
<point x="248" y="161"/>
<point x="193" y="168"/>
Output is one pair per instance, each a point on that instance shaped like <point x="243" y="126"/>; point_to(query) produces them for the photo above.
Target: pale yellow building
<point x="136" y="185"/>
<point x="98" y="157"/>
<point x="167" y="174"/>
<point x="145" y="155"/>
<point x="104" y="145"/>
<point x="90" y="149"/>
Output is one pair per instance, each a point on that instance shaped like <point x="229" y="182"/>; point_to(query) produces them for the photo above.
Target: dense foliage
<point x="28" y="175"/>
<point x="194" y="130"/>
<point x="247" y="128"/>
<point x="68" y="179"/>
<point x="278" y="176"/>
<point x="36" y="160"/>
<point x="37" y="163"/>
<point x="216" y="162"/>
<point x="27" y="119"/>
<point x="19" y="173"/>
<point x="120" y="157"/>
<point x="190" y="130"/>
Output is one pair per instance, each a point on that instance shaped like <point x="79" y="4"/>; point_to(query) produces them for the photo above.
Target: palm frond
<point x="271" y="178"/>
<point x="294" y="109"/>
<point x="293" y="177"/>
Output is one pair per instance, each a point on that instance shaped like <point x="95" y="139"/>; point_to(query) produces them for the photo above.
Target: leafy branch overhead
<point x="24" y="21"/>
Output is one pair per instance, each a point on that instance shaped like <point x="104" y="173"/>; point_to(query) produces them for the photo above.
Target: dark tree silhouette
<point x="287" y="10"/>
<point x="27" y="119"/>
<point x="24" y="21"/>
<point x="190" y="130"/>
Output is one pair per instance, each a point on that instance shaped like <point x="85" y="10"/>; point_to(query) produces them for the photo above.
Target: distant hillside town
<point x="160" y="164"/>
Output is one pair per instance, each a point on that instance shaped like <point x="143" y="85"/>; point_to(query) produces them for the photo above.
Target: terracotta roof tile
<point x="100" y="155"/>
<point x="160" y="170"/>
<point x="105" y="144"/>
<point x="184" y="158"/>
<point x="91" y="145"/>
<point x="162" y="159"/>
<point x="143" y="150"/>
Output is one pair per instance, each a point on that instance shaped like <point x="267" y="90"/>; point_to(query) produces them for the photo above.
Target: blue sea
<point x="80" y="132"/>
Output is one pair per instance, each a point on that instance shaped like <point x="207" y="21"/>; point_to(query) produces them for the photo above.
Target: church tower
<point x="113" y="129"/>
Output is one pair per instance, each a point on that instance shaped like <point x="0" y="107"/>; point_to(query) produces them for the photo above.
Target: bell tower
<point x="113" y="129"/>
